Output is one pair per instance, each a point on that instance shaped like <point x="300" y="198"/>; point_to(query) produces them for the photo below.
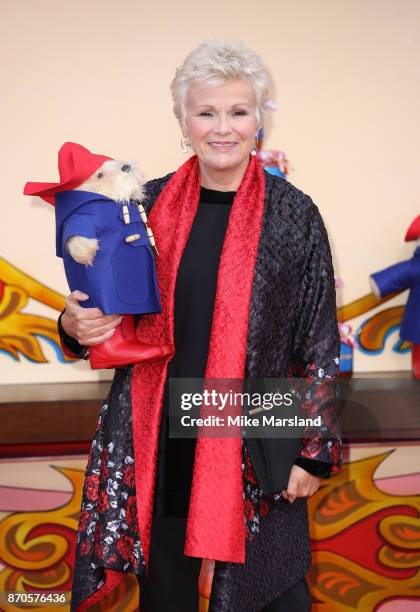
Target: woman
<point x="247" y="290"/>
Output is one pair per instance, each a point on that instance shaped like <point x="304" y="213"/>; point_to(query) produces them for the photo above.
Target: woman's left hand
<point x="301" y="484"/>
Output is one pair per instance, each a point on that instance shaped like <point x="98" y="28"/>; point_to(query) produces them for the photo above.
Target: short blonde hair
<point x="214" y="62"/>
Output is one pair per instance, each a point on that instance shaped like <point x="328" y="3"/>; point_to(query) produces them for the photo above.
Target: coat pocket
<point x="132" y="268"/>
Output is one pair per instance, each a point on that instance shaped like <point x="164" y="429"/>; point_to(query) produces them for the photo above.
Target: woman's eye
<point x="100" y="174"/>
<point x="205" y="114"/>
<point x="239" y="113"/>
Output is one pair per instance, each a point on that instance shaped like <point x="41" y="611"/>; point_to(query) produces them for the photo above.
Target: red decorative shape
<point x="347" y="543"/>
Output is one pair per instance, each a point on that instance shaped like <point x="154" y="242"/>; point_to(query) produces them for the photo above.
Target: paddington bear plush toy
<point x="400" y="276"/>
<point x="106" y="245"/>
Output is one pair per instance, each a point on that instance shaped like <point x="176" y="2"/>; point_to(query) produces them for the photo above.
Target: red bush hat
<point x="75" y="165"/>
<point x="413" y="231"/>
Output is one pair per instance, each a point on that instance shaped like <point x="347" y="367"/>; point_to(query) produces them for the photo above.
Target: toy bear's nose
<point x="126" y="168"/>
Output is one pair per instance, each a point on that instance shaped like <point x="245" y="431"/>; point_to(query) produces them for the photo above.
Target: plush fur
<point x="119" y="185"/>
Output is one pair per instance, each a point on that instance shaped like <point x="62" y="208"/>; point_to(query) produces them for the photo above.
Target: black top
<point x="195" y="288"/>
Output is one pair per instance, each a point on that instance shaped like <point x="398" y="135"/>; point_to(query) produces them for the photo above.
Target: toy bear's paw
<point x="83" y="250"/>
<point x="374" y="287"/>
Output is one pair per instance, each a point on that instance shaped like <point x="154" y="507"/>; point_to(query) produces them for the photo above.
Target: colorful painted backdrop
<point x="364" y="526"/>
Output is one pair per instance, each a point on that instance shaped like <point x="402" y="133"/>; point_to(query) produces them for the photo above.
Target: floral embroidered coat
<point x="292" y="331"/>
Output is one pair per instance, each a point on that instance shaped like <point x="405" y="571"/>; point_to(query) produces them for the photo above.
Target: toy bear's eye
<point x="100" y="174"/>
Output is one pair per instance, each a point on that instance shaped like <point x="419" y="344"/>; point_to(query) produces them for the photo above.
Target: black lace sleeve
<point x="318" y="468"/>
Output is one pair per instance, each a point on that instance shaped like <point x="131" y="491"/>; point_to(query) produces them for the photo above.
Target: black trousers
<point x="173" y="578"/>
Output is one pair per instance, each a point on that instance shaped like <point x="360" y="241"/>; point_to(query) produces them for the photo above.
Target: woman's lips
<point x="222" y="146"/>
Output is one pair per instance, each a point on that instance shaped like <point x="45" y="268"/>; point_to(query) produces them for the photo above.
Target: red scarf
<point x="216" y="528"/>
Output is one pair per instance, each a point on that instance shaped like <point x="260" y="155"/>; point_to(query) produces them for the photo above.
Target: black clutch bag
<point x="272" y="449"/>
<point x="272" y="460"/>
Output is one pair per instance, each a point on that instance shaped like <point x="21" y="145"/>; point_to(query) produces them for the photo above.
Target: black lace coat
<point x="292" y="331"/>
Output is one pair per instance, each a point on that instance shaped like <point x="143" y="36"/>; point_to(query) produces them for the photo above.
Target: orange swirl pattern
<point x="35" y="546"/>
<point x="366" y="541"/>
<point x="373" y="331"/>
<point x="341" y="585"/>
<point x="19" y="331"/>
<point x="38" y="549"/>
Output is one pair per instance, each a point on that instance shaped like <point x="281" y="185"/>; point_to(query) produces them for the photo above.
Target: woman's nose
<point x="126" y="168"/>
<point x="223" y="126"/>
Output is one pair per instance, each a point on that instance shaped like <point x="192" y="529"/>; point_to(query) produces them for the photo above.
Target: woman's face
<point x="221" y="125"/>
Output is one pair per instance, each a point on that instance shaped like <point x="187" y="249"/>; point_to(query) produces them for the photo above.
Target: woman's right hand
<point x="89" y="326"/>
